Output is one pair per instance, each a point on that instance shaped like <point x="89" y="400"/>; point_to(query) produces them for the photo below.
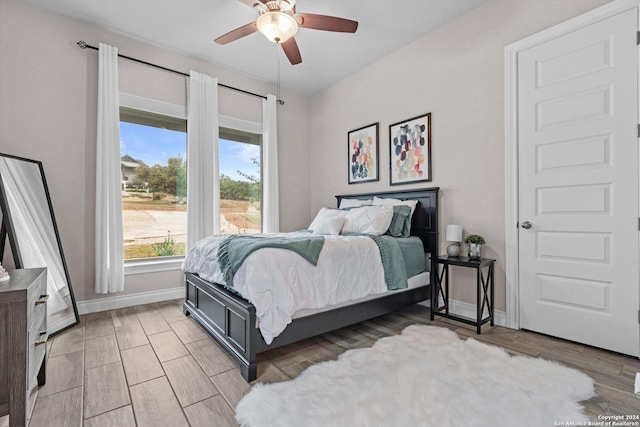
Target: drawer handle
<point x="43" y="333"/>
<point x="44" y="341"/>
<point x="43" y="299"/>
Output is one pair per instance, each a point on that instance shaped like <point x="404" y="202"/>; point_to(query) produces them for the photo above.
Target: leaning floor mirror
<point x="29" y="224"/>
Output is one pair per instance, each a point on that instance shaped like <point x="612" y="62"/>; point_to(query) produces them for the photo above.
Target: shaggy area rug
<point x="426" y="376"/>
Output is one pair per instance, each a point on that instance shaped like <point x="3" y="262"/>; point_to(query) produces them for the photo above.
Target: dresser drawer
<point x="36" y="300"/>
<point x="37" y="344"/>
<point x="37" y="332"/>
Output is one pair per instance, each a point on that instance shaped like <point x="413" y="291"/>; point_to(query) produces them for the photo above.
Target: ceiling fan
<point x="278" y="21"/>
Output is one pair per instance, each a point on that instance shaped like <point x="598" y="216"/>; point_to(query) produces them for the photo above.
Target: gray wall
<point x="457" y="74"/>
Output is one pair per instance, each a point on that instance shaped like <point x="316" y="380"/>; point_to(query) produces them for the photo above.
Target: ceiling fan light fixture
<point x="277" y="26"/>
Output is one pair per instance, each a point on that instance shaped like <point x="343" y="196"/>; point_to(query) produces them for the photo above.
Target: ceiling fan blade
<point x="290" y="48"/>
<point x="327" y="23"/>
<point x="238" y="33"/>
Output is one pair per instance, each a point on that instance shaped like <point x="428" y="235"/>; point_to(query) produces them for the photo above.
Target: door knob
<point x="526" y="225"/>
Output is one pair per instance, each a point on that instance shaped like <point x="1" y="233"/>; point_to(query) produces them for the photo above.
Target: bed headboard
<point x="424" y="223"/>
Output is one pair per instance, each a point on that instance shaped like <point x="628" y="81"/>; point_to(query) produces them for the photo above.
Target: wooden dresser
<point x="23" y="337"/>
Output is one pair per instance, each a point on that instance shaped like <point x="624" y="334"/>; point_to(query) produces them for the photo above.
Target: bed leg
<point x="249" y="372"/>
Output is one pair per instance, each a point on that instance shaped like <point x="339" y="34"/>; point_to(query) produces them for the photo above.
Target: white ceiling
<point x="190" y="26"/>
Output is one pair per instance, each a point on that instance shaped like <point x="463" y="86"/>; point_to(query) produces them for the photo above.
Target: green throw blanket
<point x="236" y="248"/>
<point x="395" y="271"/>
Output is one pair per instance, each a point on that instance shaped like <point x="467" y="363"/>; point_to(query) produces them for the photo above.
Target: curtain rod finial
<point x="82" y="44"/>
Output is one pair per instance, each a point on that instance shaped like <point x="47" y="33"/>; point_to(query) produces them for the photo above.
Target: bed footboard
<point x="230" y="319"/>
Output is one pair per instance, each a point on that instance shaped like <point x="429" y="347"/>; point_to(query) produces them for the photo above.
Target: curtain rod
<point x="84" y="45"/>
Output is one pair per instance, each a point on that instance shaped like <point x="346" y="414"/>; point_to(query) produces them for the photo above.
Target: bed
<point x="231" y="320"/>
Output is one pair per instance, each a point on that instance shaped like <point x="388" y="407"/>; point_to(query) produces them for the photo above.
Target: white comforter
<point x="279" y="282"/>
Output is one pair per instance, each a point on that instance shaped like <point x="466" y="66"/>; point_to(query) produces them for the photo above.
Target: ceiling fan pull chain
<point x="278" y="100"/>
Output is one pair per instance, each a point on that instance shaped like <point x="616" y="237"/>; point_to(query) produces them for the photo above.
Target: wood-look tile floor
<point x="151" y="366"/>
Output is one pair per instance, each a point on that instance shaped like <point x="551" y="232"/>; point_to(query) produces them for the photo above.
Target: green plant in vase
<point x="475" y="242"/>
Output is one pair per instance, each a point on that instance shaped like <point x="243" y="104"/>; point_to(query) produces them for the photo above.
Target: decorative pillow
<point x="328" y="221"/>
<point x="400" y="221"/>
<point x="353" y="203"/>
<point x="378" y="201"/>
<point x="331" y="226"/>
<point x="368" y="220"/>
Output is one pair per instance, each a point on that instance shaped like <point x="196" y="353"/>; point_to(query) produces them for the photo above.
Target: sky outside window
<point x="155" y="145"/>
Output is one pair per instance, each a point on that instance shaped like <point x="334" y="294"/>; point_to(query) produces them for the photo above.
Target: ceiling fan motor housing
<point x="277" y="5"/>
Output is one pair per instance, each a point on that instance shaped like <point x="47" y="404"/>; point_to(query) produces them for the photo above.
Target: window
<point x="153" y="143"/>
<point x="154" y="184"/>
<point x="240" y="182"/>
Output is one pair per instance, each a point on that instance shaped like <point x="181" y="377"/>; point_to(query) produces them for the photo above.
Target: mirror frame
<point x="7" y="231"/>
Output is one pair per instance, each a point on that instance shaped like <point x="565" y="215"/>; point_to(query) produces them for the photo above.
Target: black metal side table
<point x="484" y="285"/>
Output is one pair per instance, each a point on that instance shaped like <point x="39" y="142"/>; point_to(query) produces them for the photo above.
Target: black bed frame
<point x="231" y="319"/>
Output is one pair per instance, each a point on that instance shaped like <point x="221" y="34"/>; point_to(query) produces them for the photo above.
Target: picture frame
<point x="410" y="150"/>
<point x="363" y="154"/>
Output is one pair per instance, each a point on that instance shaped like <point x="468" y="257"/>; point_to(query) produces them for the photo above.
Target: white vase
<point x="474" y="250"/>
<point x="453" y="250"/>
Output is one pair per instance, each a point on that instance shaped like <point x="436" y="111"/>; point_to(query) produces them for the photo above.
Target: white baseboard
<point x="122" y="301"/>
<point x="465" y="309"/>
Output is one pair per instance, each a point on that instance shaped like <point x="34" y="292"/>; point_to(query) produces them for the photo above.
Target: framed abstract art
<point x="410" y="150"/>
<point x="363" y="154"/>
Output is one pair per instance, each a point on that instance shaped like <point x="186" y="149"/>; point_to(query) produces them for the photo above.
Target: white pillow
<point x="377" y="201"/>
<point x="331" y="226"/>
<point x="328" y="221"/>
<point x="368" y="220"/>
<point x="352" y="203"/>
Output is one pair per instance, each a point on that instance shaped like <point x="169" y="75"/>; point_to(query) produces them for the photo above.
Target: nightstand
<point x="484" y="288"/>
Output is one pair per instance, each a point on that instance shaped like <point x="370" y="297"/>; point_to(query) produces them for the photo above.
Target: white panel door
<point x="578" y="185"/>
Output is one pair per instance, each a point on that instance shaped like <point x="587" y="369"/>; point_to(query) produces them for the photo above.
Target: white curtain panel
<point x="270" y="192"/>
<point x="203" y="186"/>
<point x="109" y="239"/>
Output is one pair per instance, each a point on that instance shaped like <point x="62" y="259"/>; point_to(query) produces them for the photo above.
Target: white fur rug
<point x="426" y="376"/>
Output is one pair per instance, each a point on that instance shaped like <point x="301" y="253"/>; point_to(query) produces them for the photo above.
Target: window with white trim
<point x="153" y="141"/>
<point x="154" y="184"/>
